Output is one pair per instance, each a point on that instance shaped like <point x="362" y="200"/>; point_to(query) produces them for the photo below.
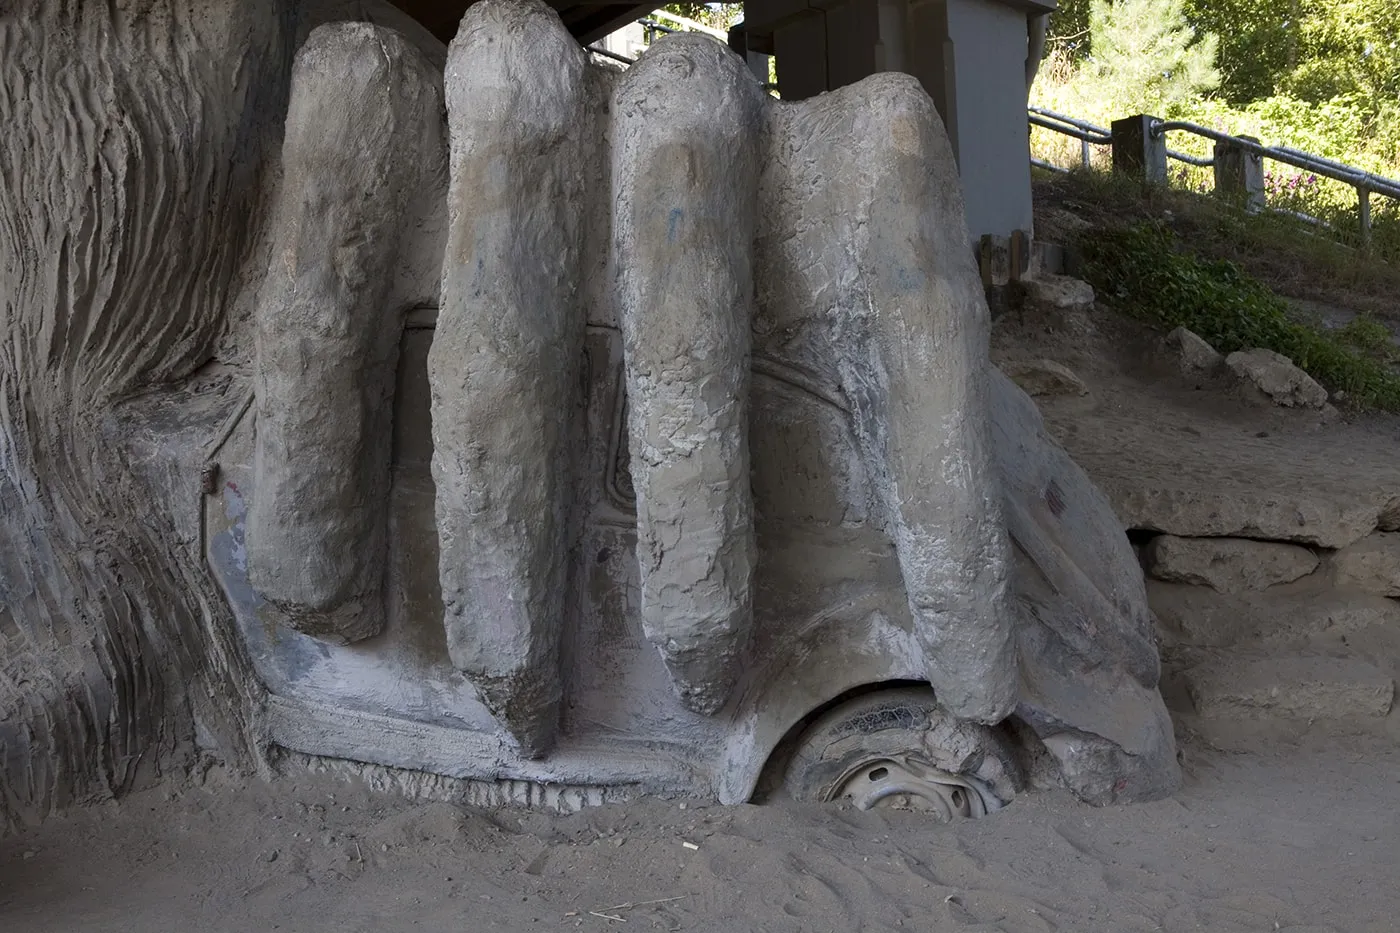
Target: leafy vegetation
<point x="1322" y="76"/>
<point x="1145" y="271"/>
<point x="1309" y="50"/>
<point x="714" y="15"/>
<point x="1155" y="61"/>
<point x="1368" y="335"/>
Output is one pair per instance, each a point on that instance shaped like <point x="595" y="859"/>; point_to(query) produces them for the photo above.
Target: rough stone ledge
<point x="1302" y="687"/>
<point x="1371" y="564"/>
<point x="1202" y="617"/>
<point x="1301" y="518"/>
<point x="1045" y="377"/>
<point x="1228" y="565"/>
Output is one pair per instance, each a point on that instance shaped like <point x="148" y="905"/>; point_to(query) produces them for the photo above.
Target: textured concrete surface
<point x="884" y="298"/>
<point x="1390" y="516"/>
<point x="139" y="161"/>
<point x="363" y="163"/>
<point x="1229" y="565"/>
<point x="132" y="166"/>
<point x="688" y="119"/>
<point x="504" y="365"/>
<point x="1088" y="657"/>
<point x="829" y="233"/>
<point x="1064" y="526"/>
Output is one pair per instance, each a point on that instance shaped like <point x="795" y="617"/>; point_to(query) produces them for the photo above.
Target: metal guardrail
<point x="689" y="25"/>
<point x="611" y="55"/>
<point x="652" y="28"/>
<point x="1364" y="182"/>
<point x="1088" y="134"/>
<point x="1289" y="156"/>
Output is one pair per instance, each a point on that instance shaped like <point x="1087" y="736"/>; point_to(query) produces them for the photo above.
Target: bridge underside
<point x="971" y="56"/>
<point x="588" y="21"/>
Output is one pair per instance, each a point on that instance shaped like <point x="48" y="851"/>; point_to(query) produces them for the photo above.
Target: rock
<point x="1275" y="375"/>
<point x="1060" y="292"/>
<point x="1390" y="516"/>
<point x="1228" y="565"/>
<point x="1194" y="356"/>
<point x="1199" y="617"/>
<point x="1188" y="471"/>
<point x="1314" y="607"/>
<point x="1299" y="687"/>
<point x="1371" y="564"/>
<point x="1045" y="377"/>
<point x="1065" y="304"/>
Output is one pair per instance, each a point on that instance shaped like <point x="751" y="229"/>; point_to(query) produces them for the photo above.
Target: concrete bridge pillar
<point x="969" y="55"/>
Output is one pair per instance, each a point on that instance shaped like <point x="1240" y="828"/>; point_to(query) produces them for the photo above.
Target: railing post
<point x="1239" y="173"/>
<point x="755" y="51"/>
<point x="1137" y="151"/>
<point x="1084" y="153"/>
<point x="1363" y="211"/>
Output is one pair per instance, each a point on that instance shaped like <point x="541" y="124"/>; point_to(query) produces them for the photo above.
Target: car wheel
<point x="898" y="748"/>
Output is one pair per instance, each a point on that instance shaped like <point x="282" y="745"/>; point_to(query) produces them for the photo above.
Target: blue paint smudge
<point x="909" y="280"/>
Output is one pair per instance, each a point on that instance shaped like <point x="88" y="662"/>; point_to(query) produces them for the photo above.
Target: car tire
<point x="898" y="748"/>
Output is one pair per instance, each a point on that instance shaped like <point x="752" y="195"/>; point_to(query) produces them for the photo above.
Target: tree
<point x="1258" y="44"/>
<point x="1068" y="32"/>
<point x="715" y="15"/>
<point x="1346" y="48"/>
<point x="1310" y="50"/>
<point x="1145" y="56"/>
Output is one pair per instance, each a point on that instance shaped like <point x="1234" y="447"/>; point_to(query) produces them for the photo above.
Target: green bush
<point x="1144" y="271"/>
<point x="1371" y="338"/>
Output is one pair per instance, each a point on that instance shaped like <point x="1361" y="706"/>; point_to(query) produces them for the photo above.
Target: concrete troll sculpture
<point x="493" y="413"/>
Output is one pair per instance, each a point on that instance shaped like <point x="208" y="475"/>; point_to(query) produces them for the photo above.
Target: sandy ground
<point x="1299" y="834"/>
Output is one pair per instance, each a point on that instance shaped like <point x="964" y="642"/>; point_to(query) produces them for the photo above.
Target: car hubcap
<point x="906" y="784"/>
